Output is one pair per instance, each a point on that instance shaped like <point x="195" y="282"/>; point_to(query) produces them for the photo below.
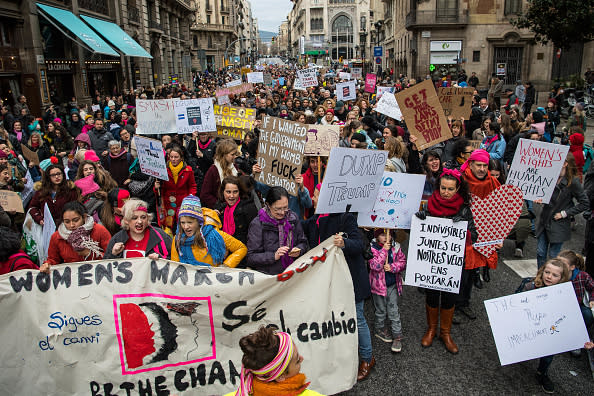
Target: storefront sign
<point x="443" y="46"/>
<point x="53" y="67"/>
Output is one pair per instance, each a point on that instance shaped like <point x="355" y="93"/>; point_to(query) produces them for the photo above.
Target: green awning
<point x="319" y="52"/>
<point x="67" y="22"/>
<point x="117" y="37"/>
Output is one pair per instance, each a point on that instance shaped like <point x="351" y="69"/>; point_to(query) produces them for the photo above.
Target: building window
<point x="208" y="19"/>
<point x="476" y="56"/>
<point x="209" y="41"/>
<point x="195" y="41"/>
<point x="513" y="7"/>
<point x="447" y="9"/>
<point x="317" y="24"/>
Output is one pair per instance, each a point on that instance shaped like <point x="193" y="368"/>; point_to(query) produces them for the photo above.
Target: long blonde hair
<point x="225" y="147"/>
<point x="538" y="282"/>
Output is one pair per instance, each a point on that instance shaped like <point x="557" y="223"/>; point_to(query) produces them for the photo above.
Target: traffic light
<point x="431" y="67"/>
<point x="273" y="39"/>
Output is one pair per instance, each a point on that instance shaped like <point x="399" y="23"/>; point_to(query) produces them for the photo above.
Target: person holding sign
<point x="451" y="200"/>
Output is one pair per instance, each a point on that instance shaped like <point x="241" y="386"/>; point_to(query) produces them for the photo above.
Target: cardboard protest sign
<point x="195" y="115"/>
<point x="267" y="78"/>
<point x="346" y="91"/>
<point x="30" y="155"/>
<point x="397" y="201"/>
<point x="370" y="81"/>
<point x="234" y="122"/>
<point x="541" y="322"/>
<point x="158" y="324"/>
<point x="476" y="144"/>
<point x="344" y="75"/>
<point x="436" y="254"/>
<point x="234" y="90"/>
<point x="423" y="114"/>
<point x="356" y="72"/>
<point x="381" y="90"/>
<point x="245" y="70"/>
<point x="387" y="105"/>
<point x="255" y="77"/>
<point x="536" y="168"/>
<point x="308" y="77"/>
<point x="155" y="117"/>
<point x="151" y="157"/>
<point x="11" y="201"/>
<point x="352" y="177"/>
<point x="280" y="152"/>
<point x="456" y="102"/>
<point x="321" y="139"/>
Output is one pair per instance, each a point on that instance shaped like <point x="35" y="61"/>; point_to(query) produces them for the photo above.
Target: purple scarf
<point x="285" y="233"/>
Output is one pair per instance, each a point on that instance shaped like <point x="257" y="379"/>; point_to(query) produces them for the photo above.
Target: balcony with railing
<point x="213" y="27"/>
<point x="155" y="26"/>
<point x="443" y="18"/>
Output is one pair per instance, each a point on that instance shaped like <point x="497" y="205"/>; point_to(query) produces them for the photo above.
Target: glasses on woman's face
<point x="280" y="210"/>
<point x="55" y="174"/>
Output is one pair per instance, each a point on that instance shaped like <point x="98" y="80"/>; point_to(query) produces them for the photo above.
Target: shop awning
<point x="316" y="52"/>
<point x="70" y="24"/>
<point x="117" y="37"/>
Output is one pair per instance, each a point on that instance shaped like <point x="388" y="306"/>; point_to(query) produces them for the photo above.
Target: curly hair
<point x="259" y="348"/>
<point x="538" y="281"/>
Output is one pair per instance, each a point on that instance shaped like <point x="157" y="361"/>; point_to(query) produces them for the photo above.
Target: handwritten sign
<point x="321" y="139"/>
<point x="234" y="122"/>
<point x="541" y="322"/>
<point x="233" y="83"/>
<point x="194" y="115"/>
<point x="267" y="77"/>
<point x="356" y="72"/>
<point x="387" y="105"/>
<point x="382" y="90"/>
<point x="95" y="108"/>
<point x="397" y="201"/>
<point x="423" y="114"/>
<point x="308" y="77"/>
<point x="536" y="167"/>
<point x="297" y="85"/>
<point x="346" y="91"/>
<point x="370" y="81"/>
<point x="475" y="144"/>
<point x="280" y="152"/>
<point x="155" y="117"/>
<point x="11" y="201"/>
<point x="436" y="254"/>
<point x="222" y="100"/>
<point x="255" y="77"/>
<point x="344" y="75"/>
<point x="234" y="90"/>
<point x="151" y="157"/>
<point x="353" y="178"/>
<point x="456" y="102"/>
<point x="30" y="155"/>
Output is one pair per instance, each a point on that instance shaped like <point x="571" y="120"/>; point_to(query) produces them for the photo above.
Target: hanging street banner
<point x="151" y="157"/>
<point x="124" y="326"/>
<point x="234" y="122"/>
<point x="195" y="115"/>
<point x="155" y="117"/>
<point x="321" y="139"/>
<point x="456" y="102"/>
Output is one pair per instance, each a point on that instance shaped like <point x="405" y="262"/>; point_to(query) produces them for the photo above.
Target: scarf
<point x="480" y="188"/>
<point x="228" y="219"/>
<point x="285" y="233"/>
<point x="186" y="254"/>
<point x="122" y="152"/>
<point x="219" y="167"/>
<point x="175" y="170"/>
<point x="574" y="273"/>
<point x="290" y="387"/>
<point x="80" y="239"/>
<point x="490" y="140"/>
<point x="441" y="207"/>
<point x="204" y="146"/>
<point x="216" y="244"/>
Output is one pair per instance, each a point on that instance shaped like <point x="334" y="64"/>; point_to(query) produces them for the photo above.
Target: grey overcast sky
<point x="270" y="13"/>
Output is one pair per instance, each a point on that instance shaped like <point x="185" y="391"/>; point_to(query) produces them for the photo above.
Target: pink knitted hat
<point x="91" y="156"/>
<point x="87" y="185"/>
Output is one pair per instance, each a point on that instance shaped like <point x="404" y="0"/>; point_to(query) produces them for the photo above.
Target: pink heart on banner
<point x="495" y="215"/>
<point x="373" y="217"/>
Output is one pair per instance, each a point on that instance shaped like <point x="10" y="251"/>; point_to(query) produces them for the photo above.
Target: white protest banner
<point x="356" y="72"/>
<point x="541" y="322"/>
<point x="49" y="227"/>
<point x="28" y="190"/>
<point x="344" y="75"/>
<point x="398" y="200"/>
<point x="536" y="167"/>
<point x="436" y="253"/>
<point x="255" y="77"/>
<point x="382" y="90"/>
<point x="346" y="91"/>
<point x="222" y="100"/>
<point x="95" y="108"/>
<point x="297" y="85"/>
<point x="387" y="105"/>
<point x="321" y="139"/>
<point x="155" y="117"/>
<point x="234" y="83"/>
<point x="308" y="77"/>
<point x="352" y="178"/>
<point x="125" y="326"/>
<point x="195" y="115"/>
<point x="280" y="152"/>
<point x="151" y="157"/>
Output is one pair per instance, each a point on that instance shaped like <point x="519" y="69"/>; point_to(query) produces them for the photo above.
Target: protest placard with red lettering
<point x="456" y="102"/>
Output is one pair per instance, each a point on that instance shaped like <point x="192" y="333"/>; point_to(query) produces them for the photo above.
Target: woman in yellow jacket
<point x="199" y="240"/>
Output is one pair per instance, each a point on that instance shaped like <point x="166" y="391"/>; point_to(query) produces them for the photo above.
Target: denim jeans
<point x="365" y="351"/>
<point x="587" y="315"/>
<point x="388" y="306"/>
<point x="544" y="249"/>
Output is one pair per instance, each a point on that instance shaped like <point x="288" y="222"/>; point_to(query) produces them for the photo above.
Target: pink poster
<point x="370" y="80"/>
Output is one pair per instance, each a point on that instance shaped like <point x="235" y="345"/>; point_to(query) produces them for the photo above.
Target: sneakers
<point x="545" y="382"/>
<point x="469" y="312"/>
<point x="519" y="253"/>
<point x="396" y="346"/>
<point x="383" y="335"/>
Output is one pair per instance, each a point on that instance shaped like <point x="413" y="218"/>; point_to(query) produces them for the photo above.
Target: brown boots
<point x="445" y="328"/>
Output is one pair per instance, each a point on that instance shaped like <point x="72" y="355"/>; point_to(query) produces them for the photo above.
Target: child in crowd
<point x="199" y="240"/>
<point x="583" y="284"/>
<point x="387" y="264"/>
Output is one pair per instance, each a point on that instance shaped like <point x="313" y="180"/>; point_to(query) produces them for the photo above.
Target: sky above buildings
<point x="270" y="13"/>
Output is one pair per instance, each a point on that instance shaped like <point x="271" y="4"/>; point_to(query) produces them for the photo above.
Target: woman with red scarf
<point x="237" y="209"/>
<point x="450" y="199"/>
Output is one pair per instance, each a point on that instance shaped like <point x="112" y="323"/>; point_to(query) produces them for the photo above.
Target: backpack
<point x="588" y="157"/>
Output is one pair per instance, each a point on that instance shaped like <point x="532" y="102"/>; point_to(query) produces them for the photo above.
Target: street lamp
<point x="363" y="39"/>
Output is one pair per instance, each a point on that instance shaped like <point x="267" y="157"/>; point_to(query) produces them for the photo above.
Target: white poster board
<point x="49" y="227"/>
<point x="151" y="157"/>
<point x="387" y="105"/>
<point x="536" y="167"/>
<point x="398" y="200"/>
<point x="223" y="100"/>
<point x="195" y="115"/>
<point x="155" y="117"/>
<point x="344" y="75"/>
<point x="255" y="77"/>
<point x="109" y="324"/>
<point x="382" y="90"/>
<point x="297" y="85"/>
<point x="356" y="72"/>
<point x="308" y="77"/>
<point x="27" y="192"/>
<point x="436" y="254"/>
<point x="352" y="177"/>
<point x="234" y="83"/>
<point x="346" y="91"/>
<point x="541" y="322"/>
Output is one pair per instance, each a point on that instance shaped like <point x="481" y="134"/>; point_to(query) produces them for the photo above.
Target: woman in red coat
<point x="78" y="238"/>
<point x="181" y="183"/>
<point x="56" y="192"/>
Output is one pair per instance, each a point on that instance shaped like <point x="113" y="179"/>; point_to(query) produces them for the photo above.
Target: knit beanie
<point x="87" y="185"/>
<point x="191" y="207"/>
<point x="90" y="155"/>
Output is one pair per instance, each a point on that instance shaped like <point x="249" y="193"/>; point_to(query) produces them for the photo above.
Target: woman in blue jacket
<point x="494" y="142"/>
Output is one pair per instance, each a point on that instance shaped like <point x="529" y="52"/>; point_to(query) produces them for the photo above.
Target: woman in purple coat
<point x="275" y="236"/>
